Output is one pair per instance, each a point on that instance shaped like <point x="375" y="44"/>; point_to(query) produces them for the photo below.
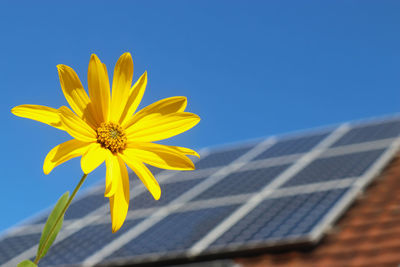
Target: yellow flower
<point x="106" y="128"/>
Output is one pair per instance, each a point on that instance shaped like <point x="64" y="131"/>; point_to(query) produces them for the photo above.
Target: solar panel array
<point x="277" y="191"/>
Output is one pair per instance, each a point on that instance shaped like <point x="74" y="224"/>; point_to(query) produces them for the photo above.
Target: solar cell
<point x="154" y="170"/>
<point x="86" y="241"/>
<point x="336" y="167"/>
<point x="280" y="219"/>
<point x="170" y="191"/>
<point x="221" y="158"/>
<point x="13" y="245"/>
<point x="243" y="182"/>
<point x="195" y="174"/>
<point x="85" y="205"/>
<point x="368" y="132"/>
<point x="177" y="232"/>
<point x="80" y="207"/>
<point x="292" y="146"/>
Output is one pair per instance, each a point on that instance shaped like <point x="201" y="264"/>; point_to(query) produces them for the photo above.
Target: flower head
<point x="106" y="128"/>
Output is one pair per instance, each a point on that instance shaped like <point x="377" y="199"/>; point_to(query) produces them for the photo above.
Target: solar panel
<point x="170" y="191"/>
<point x="13" y="245"/>
<point x="370" y="132"/>
<point x="280" y="219"/>
<point x="292" y="145"/>
<point x="221" y="158"/>
<point x="84" y="205"/>
<point x="279" y="191"/>
<point x="82" y="243"/>
<point x="175" y="233"/>
<point x="337" y="167"/>
<point x="242" y="182"/>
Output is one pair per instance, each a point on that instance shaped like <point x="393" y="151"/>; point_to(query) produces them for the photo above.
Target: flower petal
<point x="144" y="175"/>
<point x="184" y="150"/>
<point x="160" y="156"/>
<point x="99" y="88"/>
<point x="43" y="114"/>
<point x="94" y="156"/>
<point x="64" y="152"/>
<point x="112" y="170"/>
<point x="121" y="86"/>
<point x="119" y="202"/>
<point x="162" y="107"/>
<point x="75" y="126"/>
<point x="135" y="97"/>
<point x="154" y="128"/>
<point x="75" y="94"/>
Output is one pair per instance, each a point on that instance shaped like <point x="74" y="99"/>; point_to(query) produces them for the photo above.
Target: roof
<point x="368" y="234"/>
<point x="279" y="193"/>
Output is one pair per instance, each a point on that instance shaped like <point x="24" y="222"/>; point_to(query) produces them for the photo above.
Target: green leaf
<point x="52" y="227"/>
<point x="26" y="263"/>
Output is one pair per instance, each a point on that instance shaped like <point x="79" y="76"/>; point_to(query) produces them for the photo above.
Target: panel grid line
<point x="360" y="147"/>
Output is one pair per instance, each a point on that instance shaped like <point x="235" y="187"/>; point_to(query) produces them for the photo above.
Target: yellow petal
<point x="135" y="96"/>
<point x="159" y="156"/>
<point x="121" y="86"/>
<point x="75" y="94"/>
<point x="154" y="128"/>
<point x="162" y="107"/>
<point x="99" y="88"/>
<point x="94" y="156"/>
<point x="119" y="202"/>
<point x="184" y="150"/>
<point x="112" y="170"/>
<point x="64" y="152"/>
<point x="43" y="114"/>
<point x="75" y="126"/>
<point x="144" y="175"/>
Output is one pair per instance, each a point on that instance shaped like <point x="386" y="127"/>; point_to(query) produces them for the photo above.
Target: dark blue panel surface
<point x="221" y="158"/>
<point x="85" y="205"/>
<point x="176" y="232"/>
<point x="243" y="182"/>
<point x="12" y="246"/>
<point x="83" y="243"/>
<point x="370" y="133"/>
<point x="337" y="167"/>
<point x="154" y="171"/>
<point x="80" y="207"/>
<point x="169" y="192"/>
<point x="281" y="218"/>
<point x="292" y="146"/>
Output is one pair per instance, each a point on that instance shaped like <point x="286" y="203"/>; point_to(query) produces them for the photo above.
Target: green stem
<point x="60" y="216"/>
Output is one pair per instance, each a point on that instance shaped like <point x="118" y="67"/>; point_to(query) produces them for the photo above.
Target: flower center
<point x="111" y="136"/>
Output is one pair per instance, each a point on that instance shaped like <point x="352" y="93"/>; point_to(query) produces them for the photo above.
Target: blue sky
<point x="248" y="68"/>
